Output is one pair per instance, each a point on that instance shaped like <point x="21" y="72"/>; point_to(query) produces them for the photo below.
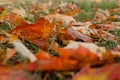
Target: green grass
<point x="69" y="1"/>
<point x="107" y="4"/>
<point x="6" y="45"/>
<point x="31" y="46"/>
<point x="107" y="44"/>
<point x="86" y="6"/>
<point x="117" y="32"/>
<point x="85" y="16"/>
<point x="5" y="26"/>
<point x="87" y="10"/>
<point x="29" y="19"/>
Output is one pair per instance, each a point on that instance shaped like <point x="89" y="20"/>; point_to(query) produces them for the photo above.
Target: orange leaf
<point x="68" y="59"/>
<point x="9" y="54"/>
<point x="1" y="37"/>
<point x="54" y="63"/>
<point x="36" y="33"/>
<point x="42" y="55"/>
<point x="15" y="19"/>
<point x="79" y="54"/>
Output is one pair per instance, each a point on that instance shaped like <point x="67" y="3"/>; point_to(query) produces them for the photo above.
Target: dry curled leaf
<point x="15" y="19"/>
<point x="21" y="11"/>
<point x="78" y="35"/>
<point x="91" y="46"/>
<point x="63" y="19"/>
<point x="11" y="17"/>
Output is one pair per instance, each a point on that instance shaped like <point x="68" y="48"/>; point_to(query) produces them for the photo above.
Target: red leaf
<point x="13" y="74"/>
<point x="110" y="72"/>
<point x="68" y="59"/>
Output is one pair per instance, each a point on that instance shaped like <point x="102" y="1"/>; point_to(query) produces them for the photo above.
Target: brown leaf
<point x="65" y="20"/>
<point x="78" y="35"/>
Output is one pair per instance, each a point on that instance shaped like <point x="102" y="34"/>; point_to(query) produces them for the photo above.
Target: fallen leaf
<point x="21" y="48"/>
<point x="78" y="35"/>
<point x="42" y="55"/>
<point x="54" y="63"/>
<point x="13" y="74"/>
<point x="108" y="72"/>
<point x="19" y="11"/>
<point x="37" y="33"/>
<point x="87" y="73"/>
<point x="65" y="20"/>
<point x="11" y="17"/>
<point x="68" y="59"/>
<point x="1" y="38"/>
<point x="116" y="50"/>
<point x="48" y="62"/>
<point x="9" y="53"/>
<point x="90" y="46"/>
<point x="15" y="19"/>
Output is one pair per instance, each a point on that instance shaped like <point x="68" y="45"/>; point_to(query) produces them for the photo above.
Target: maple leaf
<point x="68" y="59"/>
<point x="47" y="62"/>
<point x="36" y="33"/>
<point x="81" y="54"/>
<point x="54" y="63"/>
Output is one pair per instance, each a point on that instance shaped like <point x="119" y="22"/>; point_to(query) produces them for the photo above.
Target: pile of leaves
<point x="49" y="40"/>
